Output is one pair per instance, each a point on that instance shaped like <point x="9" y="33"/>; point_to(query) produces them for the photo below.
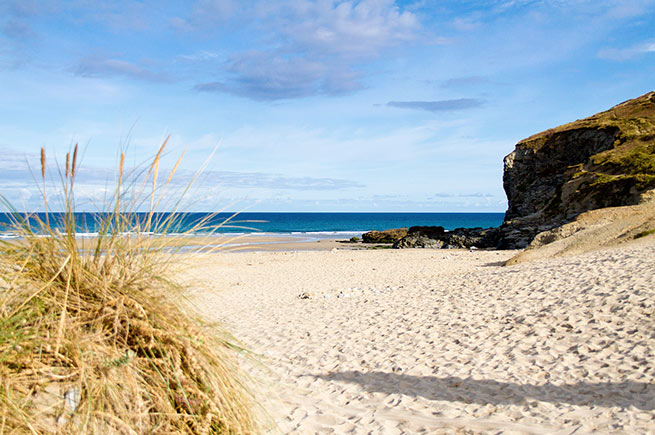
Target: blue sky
<point x="370" y="105"/>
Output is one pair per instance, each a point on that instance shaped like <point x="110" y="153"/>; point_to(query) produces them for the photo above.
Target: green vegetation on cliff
<point x="633" y="150"/>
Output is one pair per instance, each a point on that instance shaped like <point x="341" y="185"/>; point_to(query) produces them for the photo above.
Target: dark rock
<point x="517" y="234"/>
<point x="431" y="232"/>
<point x="536" y="171"/>
<point x="417" y="241"/>
<point x="437" y="237"/>
<point x="472" y="237"/>
<point x="388" y="236"/>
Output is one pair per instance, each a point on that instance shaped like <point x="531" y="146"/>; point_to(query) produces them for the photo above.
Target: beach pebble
<point x="62" y="420"/>
<point x="72" y="398"/>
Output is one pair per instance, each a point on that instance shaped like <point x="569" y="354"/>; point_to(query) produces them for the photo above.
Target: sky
<point x="299" y="105"/>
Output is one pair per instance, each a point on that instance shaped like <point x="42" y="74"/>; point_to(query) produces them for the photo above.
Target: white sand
<point x="440" y="341"/>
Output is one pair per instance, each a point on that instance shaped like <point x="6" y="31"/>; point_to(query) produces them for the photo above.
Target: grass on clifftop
<point x="635" y="118"/>
<point x="630" y="161"/>
<point x="98" y="340"/>
<point x="633" y="151"/>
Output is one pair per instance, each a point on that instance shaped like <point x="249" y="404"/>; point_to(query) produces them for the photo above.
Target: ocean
<point x="312" y="225"/>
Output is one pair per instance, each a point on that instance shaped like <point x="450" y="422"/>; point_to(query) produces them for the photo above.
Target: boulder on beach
<point x="472" y="238"/>
<point x="387" y="236"/>
<point x="418" y="241"/>
<point x="438" y="237"/>
<point x="432" y="232"/>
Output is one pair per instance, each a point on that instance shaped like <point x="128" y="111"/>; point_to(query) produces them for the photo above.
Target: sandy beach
<point x="441" y="341"/>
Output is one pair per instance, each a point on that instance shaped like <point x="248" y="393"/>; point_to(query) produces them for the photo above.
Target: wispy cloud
<point x="462" y="195"/>
<point x="466" y="24"/>
<point x="346" y="28"/>
<point x="18" y="30"/>
<point x="439" y="106"/>
<point x="22" y="7"/>
<point x="293" y="49"/>
<point x="201" y="56"/>
<point x="17" y="33"/>
<point x="277" y="181"/>
<point x="15" y="173"/>
<point x="180" y="24"/>
<point x="214" y="12"/>
<point x="316" y="47"/>
<point x="260" y="76"/>
<point x="459" y="82"/>
<point x="94" y="185"/>
<point x="98" y="67"/>
<point x="620" y="54"/>
<point x="14" y="162"/>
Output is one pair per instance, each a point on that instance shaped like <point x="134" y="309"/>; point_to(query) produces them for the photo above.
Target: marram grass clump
<point x="93" y="337"/>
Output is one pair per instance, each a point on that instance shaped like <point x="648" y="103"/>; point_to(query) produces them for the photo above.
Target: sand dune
<point x="591" y="230"/>
<point x="434" y="341"/>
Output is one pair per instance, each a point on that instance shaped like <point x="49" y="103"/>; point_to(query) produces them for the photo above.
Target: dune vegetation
<point x="95" y="337"/>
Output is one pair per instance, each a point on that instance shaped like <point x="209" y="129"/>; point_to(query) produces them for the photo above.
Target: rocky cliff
<point x="605" y="160"/>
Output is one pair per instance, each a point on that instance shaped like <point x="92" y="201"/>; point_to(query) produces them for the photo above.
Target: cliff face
<point x="602" y="161"/>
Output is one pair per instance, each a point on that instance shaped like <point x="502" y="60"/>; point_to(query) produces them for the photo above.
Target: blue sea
<point x="310" y="225"/>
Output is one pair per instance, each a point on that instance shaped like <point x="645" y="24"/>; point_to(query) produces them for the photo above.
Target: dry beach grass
<point x="443" y="341"/>
<point x="95" y="337"/>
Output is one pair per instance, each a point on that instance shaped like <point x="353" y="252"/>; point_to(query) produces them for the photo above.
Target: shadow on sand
<point x="609" y="394"/>
<point x="495" y="264"/>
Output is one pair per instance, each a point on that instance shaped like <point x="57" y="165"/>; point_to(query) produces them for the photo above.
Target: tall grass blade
<point x="45" y="197"/>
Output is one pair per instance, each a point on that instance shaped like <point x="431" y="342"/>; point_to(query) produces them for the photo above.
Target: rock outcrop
<point x="438" y="237"/>
<point x="387" y="236"/>
<point x="418" y="241"/>
<point x="606" y="160"/>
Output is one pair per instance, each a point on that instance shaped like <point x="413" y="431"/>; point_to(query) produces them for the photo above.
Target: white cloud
<point x="315" y="47"/>
<point x="620" y="54"/>
<point x="621" y="9"/>
<point x="200" y="56"/>
<point x="262" y="76"/>
<point x="17" y="30"/>
<point x="213" y="12"/>
<point x="457" y="82"/>
<point x="181" y="24"/>
<point x="439" y="106"/>
<point x="466" y="24"/>
<point x="276" y="181"/>
<point x="347" y="29"/>
<point x="98" y="67"/>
